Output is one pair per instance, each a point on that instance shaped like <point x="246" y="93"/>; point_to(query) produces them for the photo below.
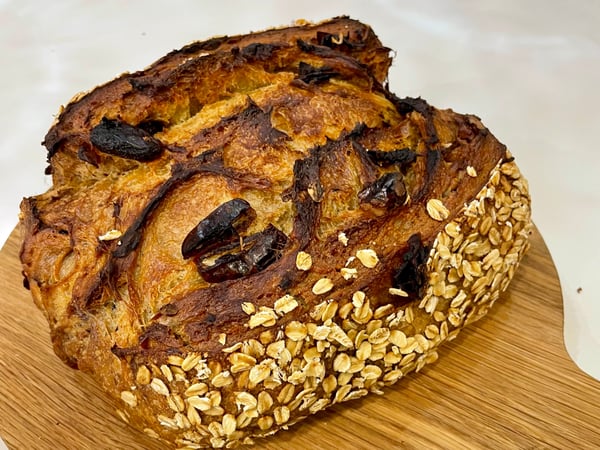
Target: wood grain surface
<point x="505" y="382"/>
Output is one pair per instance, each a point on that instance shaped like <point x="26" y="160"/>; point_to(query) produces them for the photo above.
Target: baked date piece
<point x="254" y="228"/>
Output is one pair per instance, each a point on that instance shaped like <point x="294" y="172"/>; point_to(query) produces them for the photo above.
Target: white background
<point x="529" y="69"/>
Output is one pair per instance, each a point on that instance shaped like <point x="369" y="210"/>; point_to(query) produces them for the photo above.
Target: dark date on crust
<point x="118" y="138"/>
<point x="386" y="191"/>
<point x="402" y="157"/>
<point x="213" y="247"/>
<point x="220" y="227"/>
<point x="257" y="252"/>
<point x="411" y="275"/>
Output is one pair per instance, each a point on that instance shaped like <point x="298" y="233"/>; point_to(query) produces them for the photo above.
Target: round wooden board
<point x="505" y="382"/>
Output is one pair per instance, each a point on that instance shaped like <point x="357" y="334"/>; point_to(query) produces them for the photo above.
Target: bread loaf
<point x="255" y="227"/>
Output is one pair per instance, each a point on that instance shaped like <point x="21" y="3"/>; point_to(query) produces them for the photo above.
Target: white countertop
<point x="529" y="69"/>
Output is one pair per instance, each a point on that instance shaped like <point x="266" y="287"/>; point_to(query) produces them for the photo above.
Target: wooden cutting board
<point x="507" y="382"/>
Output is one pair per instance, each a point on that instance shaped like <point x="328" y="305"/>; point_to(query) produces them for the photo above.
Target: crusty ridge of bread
<point x="138" y="95"/>
<point x="398" y="224"/>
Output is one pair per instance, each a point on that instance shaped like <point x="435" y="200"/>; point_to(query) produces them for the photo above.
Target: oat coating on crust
<point x="255" y="228"/>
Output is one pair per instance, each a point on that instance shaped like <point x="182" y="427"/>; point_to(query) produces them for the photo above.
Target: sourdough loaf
<point x="254" y="228"/>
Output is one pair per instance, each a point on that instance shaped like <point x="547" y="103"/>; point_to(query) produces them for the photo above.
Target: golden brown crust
<point x="367" y="230"/>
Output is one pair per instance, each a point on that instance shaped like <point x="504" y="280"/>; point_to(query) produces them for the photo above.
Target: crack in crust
<point x="388" y="226"/>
